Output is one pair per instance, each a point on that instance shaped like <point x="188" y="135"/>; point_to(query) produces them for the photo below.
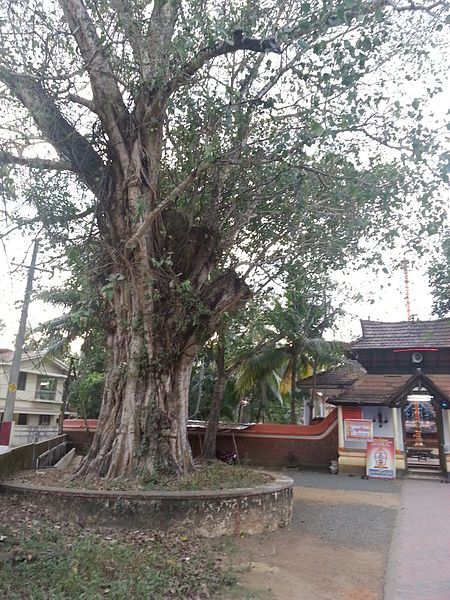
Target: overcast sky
<point x="384" y="295"/>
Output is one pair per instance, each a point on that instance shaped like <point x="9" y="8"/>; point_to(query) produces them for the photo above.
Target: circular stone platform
<point x="209" y="513"/>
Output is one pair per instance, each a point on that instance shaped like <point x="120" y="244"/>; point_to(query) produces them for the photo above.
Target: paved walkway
<point x="419" y="558"/>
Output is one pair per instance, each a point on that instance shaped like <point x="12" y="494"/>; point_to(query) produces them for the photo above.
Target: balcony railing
<point x="45" y="395"/>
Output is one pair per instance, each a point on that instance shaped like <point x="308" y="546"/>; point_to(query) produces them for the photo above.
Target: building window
<point x="22" y="381"/>
<point x="23" y="419"/>
<point x="44" y="419"/>
<point x="46" y="388"/>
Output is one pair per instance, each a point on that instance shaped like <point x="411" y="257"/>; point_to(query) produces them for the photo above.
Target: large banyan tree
<point x="195" y="147"/>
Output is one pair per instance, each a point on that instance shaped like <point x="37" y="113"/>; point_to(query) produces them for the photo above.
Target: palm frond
<point x="259" y="367"/>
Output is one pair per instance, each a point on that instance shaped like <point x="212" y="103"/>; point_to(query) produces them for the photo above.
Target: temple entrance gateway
<point x="421" y="434"/>
<point x="402" y="398"/>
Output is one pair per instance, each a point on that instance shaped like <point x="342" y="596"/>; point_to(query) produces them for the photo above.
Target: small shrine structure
<point x="403" y="392"/>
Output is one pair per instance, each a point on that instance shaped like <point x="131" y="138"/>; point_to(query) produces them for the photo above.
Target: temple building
<point x="402" y="393"/>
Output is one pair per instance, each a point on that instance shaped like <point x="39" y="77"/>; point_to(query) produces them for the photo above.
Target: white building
<point x="39" y="395"/>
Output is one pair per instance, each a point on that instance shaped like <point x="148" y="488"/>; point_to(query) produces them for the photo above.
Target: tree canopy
<point x="202" y="148"/>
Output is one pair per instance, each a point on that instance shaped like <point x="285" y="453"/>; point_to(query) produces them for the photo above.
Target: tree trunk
<point x="209" y="446"/>
<point x="143" y="420"/>
<point x="200" y="389"/>
<point x="158" y="314"/>
<point x="293" y="388"/>
<point x="263" y="401"/>
<point x="313" y="396"/>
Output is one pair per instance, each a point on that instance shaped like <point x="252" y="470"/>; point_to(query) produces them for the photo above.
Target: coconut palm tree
<point x="298" y="323"/>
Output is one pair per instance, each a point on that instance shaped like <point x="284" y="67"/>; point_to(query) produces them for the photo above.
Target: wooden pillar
<point x="397" y="445"/>
<point x="340" y="428"/>
<point x="448" y="422"/>
<point x="395" y="424"/>
<point x="440" y="430"/>
<point x="447" y="441"/>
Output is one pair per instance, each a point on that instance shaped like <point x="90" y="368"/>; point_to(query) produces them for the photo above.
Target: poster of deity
<point x="381" y="458"/>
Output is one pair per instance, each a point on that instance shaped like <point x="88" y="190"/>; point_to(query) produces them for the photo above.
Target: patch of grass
<point x="46" y="562"/>
<point x="214" y="475"/>
<point x="208" y="476"/>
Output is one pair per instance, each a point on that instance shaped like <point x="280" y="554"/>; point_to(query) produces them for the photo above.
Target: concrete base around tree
<point x="209" y="513"/>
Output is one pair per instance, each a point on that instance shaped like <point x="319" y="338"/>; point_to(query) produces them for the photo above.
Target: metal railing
<point x="45" y="395"/>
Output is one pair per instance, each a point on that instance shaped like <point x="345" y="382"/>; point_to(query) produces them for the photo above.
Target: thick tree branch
<point x="68" y="142"/>
<point x="107" y="97"/>
<point x="83" y="102"/>
<point x="174" y="194"/>
<point x="239" y="42"/>
<point x="411" y="6"/>
<point x="224" y="294"/>
<point x="133" y="33"/>
<point x="7" y="158"/>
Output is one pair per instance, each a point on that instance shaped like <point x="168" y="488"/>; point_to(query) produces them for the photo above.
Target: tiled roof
<point x="340" y="377"/>
<point x="36" y="358"/>
<point x="379" y="389"/>
<point x="5" y="355"/>
<point x="404" y="334"/>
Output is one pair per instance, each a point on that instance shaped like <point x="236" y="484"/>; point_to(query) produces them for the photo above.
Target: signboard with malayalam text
<point x="380" y="458"/>
<point x="358" y="429"/>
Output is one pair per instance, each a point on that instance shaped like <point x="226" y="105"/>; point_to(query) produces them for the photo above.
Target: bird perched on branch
<point x="255" y="44"/>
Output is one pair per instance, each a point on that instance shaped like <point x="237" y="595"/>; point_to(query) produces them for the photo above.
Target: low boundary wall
<point x="208" y="513"/>
<point x="20" y="458"/>
<point x="266" y="445"/>
<point x="310" y="446"/>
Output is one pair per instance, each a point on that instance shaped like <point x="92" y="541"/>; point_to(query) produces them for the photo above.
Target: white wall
<point x="25" y="399"/>
<point x="24" y="434"/>
<point x="386" y="430"/>
<point x="33" y="370"/>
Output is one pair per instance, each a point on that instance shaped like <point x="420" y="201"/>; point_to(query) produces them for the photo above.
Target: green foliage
<point x="319" y="134"/>
<point x="85" y="395"/>
<point x="214" y="476"/>
<point x="260" y="342"/>
<point x="439" y="274"/>
<point x="47" y="562"/>
<point x="81" y="299"/>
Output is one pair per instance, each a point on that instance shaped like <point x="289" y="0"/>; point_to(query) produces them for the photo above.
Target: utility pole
<point x="5" y="431"/>
<point x="65" y="394"/>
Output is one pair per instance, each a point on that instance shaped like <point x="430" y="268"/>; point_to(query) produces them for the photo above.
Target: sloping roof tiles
<point x="340" y="377"/>
<point x="5" y="355"/>
<point x="379" y="389"/>
<point x="404" y="334"/>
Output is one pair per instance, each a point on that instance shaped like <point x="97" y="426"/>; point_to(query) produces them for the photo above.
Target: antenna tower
<point x="407" y="297"/>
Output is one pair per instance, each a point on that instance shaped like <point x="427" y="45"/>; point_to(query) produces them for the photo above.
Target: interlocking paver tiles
<point x="419" y="558"/>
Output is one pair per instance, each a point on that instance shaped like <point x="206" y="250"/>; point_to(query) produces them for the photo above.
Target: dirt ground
<point x="335" y="548"/>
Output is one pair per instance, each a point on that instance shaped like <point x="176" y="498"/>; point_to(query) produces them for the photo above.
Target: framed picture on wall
<point x="358" y="429"/>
